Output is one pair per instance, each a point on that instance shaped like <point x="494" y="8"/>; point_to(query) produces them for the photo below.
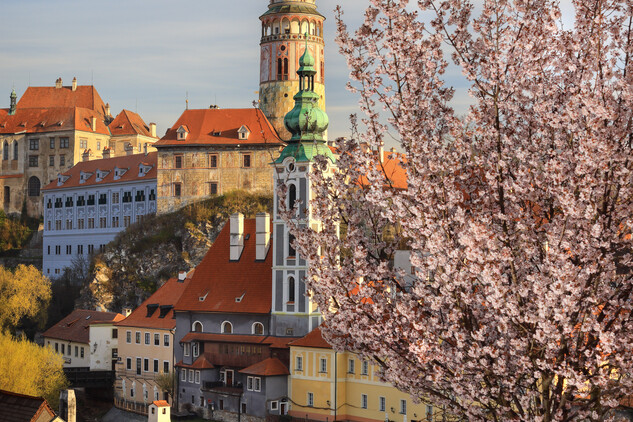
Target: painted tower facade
<point x="293" y="312"/>
<point x="288" y="28"/>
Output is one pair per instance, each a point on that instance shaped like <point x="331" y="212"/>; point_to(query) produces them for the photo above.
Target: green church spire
<point x="13" y="97"/>
<point x="306" y="121"/>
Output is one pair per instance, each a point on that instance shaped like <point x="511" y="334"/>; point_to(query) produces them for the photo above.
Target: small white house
<point x="158" y="411"/>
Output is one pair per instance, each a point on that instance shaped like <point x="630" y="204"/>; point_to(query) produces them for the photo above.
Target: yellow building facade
<point x="325" y="385"/>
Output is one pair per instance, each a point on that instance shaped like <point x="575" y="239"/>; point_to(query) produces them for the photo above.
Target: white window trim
<point x="274" y="405"/>
<point x="321" y="360"/>
<point x="197" y="377"/>
<point x="186" y="349"/>
<point x="363" y="401"/>
<point x="191" y="375"/>
<point x="299" y="363"/>
<point x="382" y="404"/>
<point x="257" y="324"/>
<point x="183" y="375"/>
<point x="223" y="329"/>
<point x="310" y="399"/>
<point x="194" y="325"/>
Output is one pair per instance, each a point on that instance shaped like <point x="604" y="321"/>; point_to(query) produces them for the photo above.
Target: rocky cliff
<point x="146" y="254"/>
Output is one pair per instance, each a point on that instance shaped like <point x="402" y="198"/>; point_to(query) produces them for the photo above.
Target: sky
<point x="148" y="56"/>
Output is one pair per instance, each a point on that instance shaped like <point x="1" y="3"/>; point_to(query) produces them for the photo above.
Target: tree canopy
<point x="24" y="293"/>
<point x="517" y="216"/>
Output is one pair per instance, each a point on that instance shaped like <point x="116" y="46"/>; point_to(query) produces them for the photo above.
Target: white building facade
<point x="91" y="203"/>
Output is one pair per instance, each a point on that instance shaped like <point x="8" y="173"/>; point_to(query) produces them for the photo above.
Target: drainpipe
<point x="335" y="383"/>
<point x="239" y="408"/>
<point x="174" y="384"/>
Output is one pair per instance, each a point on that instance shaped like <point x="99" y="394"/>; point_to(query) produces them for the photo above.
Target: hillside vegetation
<point x="146" y="254"/>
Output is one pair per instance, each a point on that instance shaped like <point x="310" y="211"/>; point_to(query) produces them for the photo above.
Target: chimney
<point x="106" y="152"/>
<point x="107" y="110"/>
<point x="74" y="84"/>
<point x="145" y="148"/>
<point x="58" y="83"/>
<point x="93" y="123"/>
<point x="129" y="149"/>
<point x="126" y="312"/>
<point x="152" y="130"/>
<point x="262" y="236"/>
<point x="86" y="155"/>
<point x="68" y="405"/>
<point x="237" y="236"/>
<point x="182" y="275"/>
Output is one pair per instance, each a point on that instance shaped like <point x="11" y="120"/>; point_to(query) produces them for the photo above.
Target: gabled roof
<point x="220" y="127"/>
<point x="313" y="339"/>
<point x="267" y="368"/>
<point x="202" y="362"/>
<point x="23" y="408"/>
<point x="221" y="281"/>
<point x="85" y="96"/>
<point x="157" y="311"/>
<point x="128" y="123"/>
<point x="160" y="403"/>
<point x="129" y="162"/>
<point x="43" y="120"/>
<point x="75" y="327"/>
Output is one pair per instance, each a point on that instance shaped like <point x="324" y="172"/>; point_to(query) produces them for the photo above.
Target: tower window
<point x="282" y="69"/>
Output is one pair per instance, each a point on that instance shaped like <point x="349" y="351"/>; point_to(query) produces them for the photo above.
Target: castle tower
<point x="293" y="312"/>
<point x="13" y="97"/>
<point x="286" y="27"/>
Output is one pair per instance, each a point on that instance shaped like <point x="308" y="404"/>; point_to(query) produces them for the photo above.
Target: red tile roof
<point x="275" y="342"/>
<point x="267" y="368"/>
<point x="203" y="123"/>
<point x="313" y="339"/>
<point x="160" y="403"/>
<point x="130" y="162"/>
<point x="45" y="120"/>
<point x="75" y="326"/>
<point x="162" y="300"/>
<point x="391" y="166"/>
<point x="220" y="281"/>
<point x="85" y="96"/>
<point x="21" y="407"/>
<point x="201" y="363"/>
<point x="128" y="123"/>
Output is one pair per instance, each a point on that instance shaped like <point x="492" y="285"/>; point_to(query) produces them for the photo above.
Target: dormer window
<point x="182" y="133"/>
<point x="243" y="132"/>
<point x="61" y="179"/>
<point x="143" y="169"/>
<point x="118" y="173"/>
<point x="216" y="133"/>
<point x="101" y="174"/>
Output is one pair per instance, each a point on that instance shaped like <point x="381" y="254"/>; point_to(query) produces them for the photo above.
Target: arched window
<point x="227" y="327"/>
<point x="197" y="327"/>
<point x="285" y="69"/>
<point x="292" y="196"/>
<point x="5" y="151"/>
<point x="291" y="251"/>
<point x="279" y="68"/>
<point x="258" y="328"/>
<point x="34" y="186"/>
<point x="15" y="150"/>
<point x="291" y="289"/>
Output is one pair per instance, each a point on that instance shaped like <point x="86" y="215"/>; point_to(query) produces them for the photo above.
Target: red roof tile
<point x="159" y="304"/>
<point x="128" y="123"/>
<point x="85" y="96"/>
<point x="75" y="326"/>
<point x="203" y="123"/>
<point x="21" y="407"/>
<point x="220" y="281"/>
<point x="160" y="403"/>
<point x="267" y="368"/>
<point x="313" y="339"/>
<point x="45" y="120"/>
<point x="275" y="342"/>
<point x="129" y="162"/>
<point x="391" y="166"/>
<point x="201" y="363"/>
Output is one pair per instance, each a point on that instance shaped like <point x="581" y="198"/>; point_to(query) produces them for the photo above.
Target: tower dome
<point x="289" y="29"/>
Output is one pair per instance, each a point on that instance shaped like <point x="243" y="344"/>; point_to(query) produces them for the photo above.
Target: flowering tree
<point x="517" y="216"/>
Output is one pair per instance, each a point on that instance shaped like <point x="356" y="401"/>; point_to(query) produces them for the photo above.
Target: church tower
<point x="287" y="28"/>
<point x="293" y="312"/>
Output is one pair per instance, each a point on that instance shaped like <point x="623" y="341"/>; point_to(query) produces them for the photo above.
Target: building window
<point x="274" y="405"/>
<point x="83" y="143"/>
<point x="156" y="339"/>
<point x="91" y="249"/>
<point x="178" y="161"/>
<point x="183" y="375"/>
<point x="80" y="249"/>
<point x="138" y="337"/>
<point x="126" y="221"/>
<point x="51" y="160"/>
<point x="5" y="151"/>
<point x="103" y="199"/>
<point x="128" y="337"/>
<point x="32" y="160"/>
<point x="69" y="249"/>
<point x="310" y="400"/>
<point x="51" y="143"/>
<point x="195" y="349"/>
<point x="258" y="328"/>
<point x="98" y="145"/>
<point x="115" y="197"/>
<point x="115" y="222"/>
<point x="246" y="160"/>
<point x="165" y="367"/>
<point x="323" y="365"/>
<point x="62" y="160"/>
<point x="34" y="186"/>
<point x="7" y="195"/>
<point x="128" y="363"/>
<point x="197" y="327"/>
<point x="197" y="377"/>
<point x="155" y="365"/>
<point x="140" y="196"/>
<point x="81" y="223"/>
<point x="299" y="363"/>
<point x="227" y="327"/>
<point x="103" y="223"/>
<point x="213" y="188"/>
<point x="291" y="290"/>
<point x="351" y="366"/>
<point x="363" y="401"/>
<point x="91" y="223"/>
<point x="63" y="142"/>
<point x="213" y="161"/>
<point x="58" y="249"/>
<point x="69" y="224"/>
<point x="177" y="189"/>
<point x="166" y="340"/>
<point x="382" y="404"/>
<point x="146" y="364"/>
<point x="191" y="375"/>
<point x="403" y="407"/>
<point x="187" y="349"/>
<point x="81" y="201"/>
<point x="91" y="199"/>
<point x="292" y="253"/>
<point x="15" y="151"/>
<point x="127" y="197"/>
<point x="34" y="144"/>
<point x="429" y="413"/>
<point x="146" y="338"/>
<point x="364" y="368"/>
